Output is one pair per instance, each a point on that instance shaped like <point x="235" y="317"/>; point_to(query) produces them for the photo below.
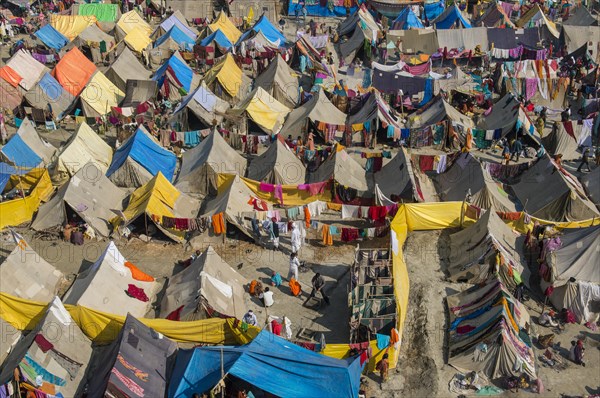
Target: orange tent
<point x="9" y="74"/>
<point x="74" y="71"/>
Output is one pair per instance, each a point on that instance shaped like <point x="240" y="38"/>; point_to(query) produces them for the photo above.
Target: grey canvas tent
<point x="203" y="105"/>
<point x="558" y="141"/>
<point x="138" y="363"/>
<point x="550" y="193"/>
<point x="317" y="109"/>
<point x="473" y="253"/>
<point x="466" y="175"/>
<point x="436" y="111"/>
<point x="126" y="67"/>
<point x="65" y="366"/>
<point x="30" y="136"/>
<point x="207" y="285"/>
<point x="89" y="194"/>
<point x="104" y="285"/>
<point x="280" y="81"/>
<point x="48" y="92"/>
<point x="11" y="336"/>
<point x="581" y="17"/>
<point x="340" y="167"/>
<point x="139" y="91"/>
<point x="349" y="49"/>
<point x="488" y="333"/>
<point x="25" y="274"/>
<point x="504" y="115"/>
<point x="577" y="257"/>
<point x="202" y="164"/>
<point x="396" y="179"/>
<point x="277" y="165"/>
<point x="592" y="187"/>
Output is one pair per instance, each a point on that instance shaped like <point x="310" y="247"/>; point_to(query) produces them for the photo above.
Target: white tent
<point x="83" y="147"/>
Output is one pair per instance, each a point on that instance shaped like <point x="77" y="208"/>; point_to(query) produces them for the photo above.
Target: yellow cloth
<point x="17" y="211"/>
<point x="137" y="39"/>
<point x="132" y="20"/>
<point x="226" y="26"/>
<point x="101" y="94"/>
<point x="71" y="25"/>
<point x="103" y="328"/>
<point x="327" y="238"/>
<point x="228" y="74"/>
<point x="292" y="196"/>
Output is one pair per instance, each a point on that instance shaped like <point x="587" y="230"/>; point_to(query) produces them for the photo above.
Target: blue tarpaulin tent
<point x="168" y="23"/>
<point x="181" y="70"/>
<point x="433" y="10"/>
<point x="51" y="88"/>
<point x="17" y="152"/>
<point x="178" y="36"/>
<point x="269" y="363"/>
<point x="219" y="38"/>
<point x="51" y="37"/>
<point x="318" y="10"/>
<point x="147" y="153"/>
<point x="265" y="26"/>
<point x="6" y="171"/>
<point x="407" y="19"/>
<point x="449" y="17"/>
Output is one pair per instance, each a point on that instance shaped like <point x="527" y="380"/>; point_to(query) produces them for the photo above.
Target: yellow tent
<point x="100" y="95"/>
<point x="226" y="26"/>
<point x="17" y="211"/>
<point x="132" y="20"/>
<point x="264" y="110"/>
<point x="71" y="25"/>
<point x="137" y="39"/>
<point x="228" y="74"/>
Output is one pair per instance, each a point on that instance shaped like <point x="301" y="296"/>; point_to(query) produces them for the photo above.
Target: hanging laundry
<point x="279" y="193"/>
<point x="264" y="187"/>
<point x="317" y="188"/>
<point x="218" y="224"/>
<point x="137" y="293"/>
<point x="306" y="216"/>
<point x="349" y="234"/>
<point x="327" y="238"/>
<point x="350" y="211"/>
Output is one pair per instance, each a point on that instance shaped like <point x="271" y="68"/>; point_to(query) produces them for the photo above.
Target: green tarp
<point x="102" y="12"/>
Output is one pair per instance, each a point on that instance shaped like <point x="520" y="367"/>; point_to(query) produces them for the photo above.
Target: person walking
<point x="517" y="148"/>
<point x="296" y="239"/>
<point x="294" y="265"/>
<point x="318" y="283"/>
<point x="585" y="160"/>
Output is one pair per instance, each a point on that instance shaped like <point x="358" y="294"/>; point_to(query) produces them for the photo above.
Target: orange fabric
<point x="334" y="206"/>
<point x="394" y="337"/>
<point x="295" y="287"/>
<point x="252" y="287"/>
<point x="469" y="140"/>
<point x="9" y="74"/>
<point x="327" y="238"/>
<point x="74" y="71"/>
<point x="138" y="274"/>
<point x="306" y="216"/>
<point x="218" y="223"/>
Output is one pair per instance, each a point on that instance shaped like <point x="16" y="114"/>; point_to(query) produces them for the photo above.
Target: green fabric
<point x="102" y="12"/>
<point x="102" y="46"/>
<point x="489" y="390"/>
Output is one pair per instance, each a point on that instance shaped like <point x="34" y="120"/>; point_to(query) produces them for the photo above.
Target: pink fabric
<point x="264" y="187"/>
<point x="317" y="187"/>
<point x="279" y="193"/>
<point x="418" y="69"/>
<point x="530" y="88"/>
<point x="303" y="187"/>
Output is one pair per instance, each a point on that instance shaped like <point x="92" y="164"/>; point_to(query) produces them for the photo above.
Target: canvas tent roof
<point x="100" y="95"/>
<point x="139" y="159"/>
<point x="84" y="146"/>
<point x="95" y="35"/>
<point x="65" y="377"/>
<point x="25" y="274"/>
<point x="137" y="39"/>
<point x="264" y="110"/>
<point x="74" y="71"/>
<point x="17" y="153"/>
<point x="581" y="17"/>
<point x="467" y="174"/>
<point x="407" y="19"/>
<point x="553" y="194"/>
<point x="317" y="109"/>
<point x="103" y="286"/>
<point x="158" y="197"/>
<point x="138" y="91"/>
<point x="11" y="96"/>
<point x="51" y="37"/>
<point x="232" y="200"/>
<point x="343" y="169"/>
<point x="436" y="111"/>
<point x="504" y="115"/>
<point x="494" y="16"/>
<point x="126" y="67"/>
<point x="132" y="20"/>
<point x="138" y="362"/>
<point x="176" y="20"/>
<point x="536" y="17"/>
<point x="269" y="31"/>
<point x="280" y="81"/>
<point x="71" y="26"/>
<point x="277" y="165"/>
<point x="201" y="165"/>
<point x="472" y="252"/>
<point x="48" y="91"/>
<point x="590" y="182"/>
<point x="11" y="337"/>
<point x="499" y="321"/>
<point x="102" y="12"/>
<point x="578" y="36"/>
<point x="559" y="141"/>
<point x="6" y="171"/>
<point x="223" y="24"/>
<point x="32" y="139"/>
<point x="350" y="47"/>
<point x="184" y="74"/>
<point x="229" y="76"/>
<point x="396" y="178"/>
<point x="208" y="281"/>
<point x="313" y="374"/>
<point x="449" y="18"/>
<point x="219" y="38"/>
<point x="89" y="194"/>
<point x="175" y="39"/>
<point x="27" y="67"/>
<point x="577" y="257"/>
<point x="204" y="104"/>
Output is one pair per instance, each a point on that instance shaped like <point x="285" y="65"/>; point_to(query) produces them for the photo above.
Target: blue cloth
<point x="367" y="125"/>
<point x="428" y="92"/>
<point x="18" y="122"/>
<point x="318" y="10"/>
<point x="51" y="88"/>
<point x="276" y="279"/>
<point x="472" y="315"/>
<point x="178" y="37"/>
<point x="333" y="230"/>
<point x="390" y="131"/>
<point x="172" y="21"/>
<point x="449" y="17"/>
<point x="367" y="78"/>
<point x="264" y="26"/>
<point x="218" y="37"/>
<point x="433" y="10"/>
<point x="147" y="154"/>
<point x="19" y="153"/>
<point x="404" y="133"/>
<point x="292" y="371"/>
<point x="51" y="37"/>
<point x="407" y="19"/>
<point x="302" y="63"/>
<point x="383" y="341"/>
<point x="191" y="138"/>
<point x="41" y="371"/>
<point x="182" y="71"/>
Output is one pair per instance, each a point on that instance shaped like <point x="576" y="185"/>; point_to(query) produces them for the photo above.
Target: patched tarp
<point x="181" y="70"/>
<point x="204" y="104"/>
<point x="74" y="71"/>
<point x="175" y="39"/>
<point x="27" y="67"/>
<point x="223" y="24"/>
<point x="277" y="165"/>
<point x="100" y="95"/>
<point x="48" y="93"/>
<point x="102" y="12"/>
<point x="51" y="37"/>
<point x="219" y="38"/>
<point x="264" y="26"/>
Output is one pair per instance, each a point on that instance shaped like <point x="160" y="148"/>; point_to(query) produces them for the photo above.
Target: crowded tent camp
<point x="345" y="198"/>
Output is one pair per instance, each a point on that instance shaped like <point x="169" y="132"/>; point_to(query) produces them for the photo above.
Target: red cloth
<point x="377" y="164"/>
<point x="569" y="128"/>
<point x="349" y="234"/>
<point x="426" y="162"/>
<point x="44" y="344"/>
<point x="137" y="292"/>
<point x="276" y="326"/>
<point x="377" y="213"/>
<point x="465" y="329"/>
<point x="317" y="188"/>
<point x="175" y="315"/>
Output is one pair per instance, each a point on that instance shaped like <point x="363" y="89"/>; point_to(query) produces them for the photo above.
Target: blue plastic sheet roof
<point x="50" y="87"/>
<point x="146" y="153"/>
<point x="203" y="96"/>
<point x="6" y="170"/>
<point x="265" y="26"/>
<point x="219" y="37"/>
<point x="182" y="71"/>
<point x="178" y="36"/>
<point x="433" y="10"/>
<point x="51" y="37"/>
<point x="19" y="153"/>
<point x="449" y="17"/>
<point x="168" y="23"/>
<point x="269" y="363"/>
<point x="407" y="19"/>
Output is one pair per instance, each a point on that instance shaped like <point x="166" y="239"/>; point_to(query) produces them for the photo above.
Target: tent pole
<point x="146" y="226"/>
<point x="222" y="374"/>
